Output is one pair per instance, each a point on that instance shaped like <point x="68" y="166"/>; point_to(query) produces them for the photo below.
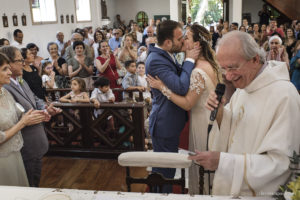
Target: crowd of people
<point x="256" y="127"/>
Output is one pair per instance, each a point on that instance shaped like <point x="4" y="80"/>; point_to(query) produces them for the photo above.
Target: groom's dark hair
<point x="165" y="30"/>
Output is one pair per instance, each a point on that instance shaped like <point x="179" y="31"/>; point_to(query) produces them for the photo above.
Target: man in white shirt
<point x="18" y="39"/>
<point x="135" y="28"/>
<point x="61" y="44"/>
<point x="258" y="129"/>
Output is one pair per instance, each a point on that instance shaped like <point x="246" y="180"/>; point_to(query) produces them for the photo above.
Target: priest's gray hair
<point x="249" y="48"/>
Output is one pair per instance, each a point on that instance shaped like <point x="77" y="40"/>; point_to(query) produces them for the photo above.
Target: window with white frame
<point x="43" y="11"/>
<point x="83" y="10"/>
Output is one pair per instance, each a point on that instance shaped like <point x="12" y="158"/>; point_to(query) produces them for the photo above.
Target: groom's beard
<point x="176" y="48"/>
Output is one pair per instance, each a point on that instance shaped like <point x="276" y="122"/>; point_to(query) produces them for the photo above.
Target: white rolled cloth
<point x="154" y="159"/>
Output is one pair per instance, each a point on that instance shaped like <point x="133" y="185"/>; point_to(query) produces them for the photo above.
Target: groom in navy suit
<point x="167" y="119"/>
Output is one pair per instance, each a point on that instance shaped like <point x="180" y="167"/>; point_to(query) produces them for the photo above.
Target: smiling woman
<point x="12" y="168"/>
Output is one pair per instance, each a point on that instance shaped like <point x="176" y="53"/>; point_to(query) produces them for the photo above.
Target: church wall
<point x="129" y="8"/>
<point x="42" y="34"/>
<point x="253" y="7"/>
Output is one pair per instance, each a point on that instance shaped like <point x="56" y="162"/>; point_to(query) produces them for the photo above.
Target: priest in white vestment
<point x="258" y="129"/>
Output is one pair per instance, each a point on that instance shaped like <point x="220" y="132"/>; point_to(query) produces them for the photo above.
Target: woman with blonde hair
<point x="204" y="79"/>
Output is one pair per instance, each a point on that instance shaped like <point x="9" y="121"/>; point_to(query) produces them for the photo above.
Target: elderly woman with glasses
<point x="12" y="171"/>
<point x="60" y="66"/>
<point x="37" y="59"/>
<point x="277" y="51"/>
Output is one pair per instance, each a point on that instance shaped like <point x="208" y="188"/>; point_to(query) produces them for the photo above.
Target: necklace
<point x="1" y="91"/>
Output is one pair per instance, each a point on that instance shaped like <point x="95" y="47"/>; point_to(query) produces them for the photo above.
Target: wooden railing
<point x="55" y="94"/>
<point x="84" y="135"/>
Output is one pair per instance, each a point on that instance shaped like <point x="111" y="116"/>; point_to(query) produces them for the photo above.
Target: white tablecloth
<point x="26" y="193"/>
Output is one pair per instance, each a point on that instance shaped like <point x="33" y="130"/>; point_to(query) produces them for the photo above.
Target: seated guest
<point x="274" y="28"/>
<point x="48" y="75"/>
<point x="143" y="82"/>
<point x="62" y="46"/>
<point x="12" y="171"/>
<point x="295" y="66"/>
<point x="142" y="54"/>
<point x="250" y="145"/>
<point x="70" y="53"/>
<point x="150" y="33"/>
<point x="98" y="37"/>
<point x="135" y="28"/>
<point x="107" y="65"/>
<point x="18" y="39"/>
<point x="60" y="66"/>
<point x="37" y="59"/>
<point x="4" y="42"/>
<point x="101" y="93"/>
<point x="234" y="26"/>
<point x="277" y="51"/>
<point x="130" y="81"/>
<point x="127" y="52"/>
<point x="78" y="93"/>
<point x="116" y="40"/>
<point x="86" y="40"/>
<point x="35" y="139"/>
<point x="81" y="65"/>
<point x="290" y="42"/>
<point x="31" y="75"/>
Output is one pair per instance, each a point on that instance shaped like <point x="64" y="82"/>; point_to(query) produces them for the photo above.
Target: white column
<point x="175" y="10"/>
<point x="235" y="11"/>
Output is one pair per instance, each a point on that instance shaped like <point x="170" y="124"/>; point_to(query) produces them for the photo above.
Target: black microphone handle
<point x="214" y="113"/>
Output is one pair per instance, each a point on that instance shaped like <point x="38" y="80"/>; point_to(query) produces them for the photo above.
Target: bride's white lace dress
<point x="12" y="171"/>
<point x="199" y="118"/>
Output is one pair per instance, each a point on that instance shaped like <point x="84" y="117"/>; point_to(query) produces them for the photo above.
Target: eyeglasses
<point x="232" y="69"/>
<point x="115" y="33"/>
<point x="20" y="61"/>
<point x="274" y="42"/>
<point x="48" y="68"/>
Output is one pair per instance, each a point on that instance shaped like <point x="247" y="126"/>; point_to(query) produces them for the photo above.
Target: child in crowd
<point x="130" y="81"/>
<point x="103" y="93"/>
<point x="77" y="95"/>
<point x="48" y="75"/>
<point x="143" y="82"/>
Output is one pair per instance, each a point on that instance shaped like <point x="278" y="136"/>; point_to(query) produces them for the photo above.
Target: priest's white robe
<point x="260" y="128"/>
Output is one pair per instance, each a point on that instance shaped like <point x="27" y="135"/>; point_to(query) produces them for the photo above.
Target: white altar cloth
<point x="27" y="193"/>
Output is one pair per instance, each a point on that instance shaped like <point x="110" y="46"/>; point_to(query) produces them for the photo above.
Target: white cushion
<point x="154" y="159"/>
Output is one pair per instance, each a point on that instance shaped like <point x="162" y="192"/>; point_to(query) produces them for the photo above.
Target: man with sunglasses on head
<point x="256" y="132"/>
<point x="116" y="40"/>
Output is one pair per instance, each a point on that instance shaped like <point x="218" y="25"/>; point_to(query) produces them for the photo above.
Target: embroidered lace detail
<point x="197" y="81"/>
<point x="9" y="116"/>
<point x="166" y="92"/>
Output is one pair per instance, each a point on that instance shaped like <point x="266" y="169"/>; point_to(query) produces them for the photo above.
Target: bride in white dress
<point x="204" y="79"/>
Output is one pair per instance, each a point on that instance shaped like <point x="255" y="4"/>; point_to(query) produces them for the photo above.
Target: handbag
<point x="119" y="80"/>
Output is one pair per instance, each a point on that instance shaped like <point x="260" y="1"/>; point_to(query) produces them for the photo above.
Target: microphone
<point x="220" y="90"/>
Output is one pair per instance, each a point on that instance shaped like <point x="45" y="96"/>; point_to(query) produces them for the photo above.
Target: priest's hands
<point x="208" y="159"/>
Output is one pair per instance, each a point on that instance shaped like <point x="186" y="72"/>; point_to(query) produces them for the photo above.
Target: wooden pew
<point x="88" y="138"/>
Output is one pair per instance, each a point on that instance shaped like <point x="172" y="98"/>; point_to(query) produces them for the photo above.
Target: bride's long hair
<point x="202" y="35"/>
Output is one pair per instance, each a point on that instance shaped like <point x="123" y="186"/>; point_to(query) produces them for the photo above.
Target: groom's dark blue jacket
<point x="167" y="119"/>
